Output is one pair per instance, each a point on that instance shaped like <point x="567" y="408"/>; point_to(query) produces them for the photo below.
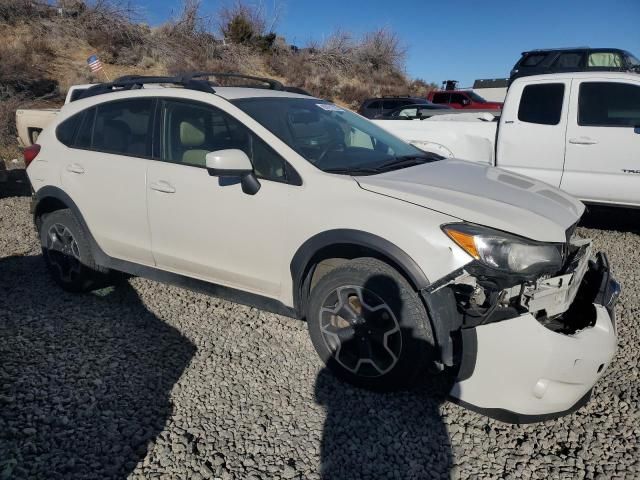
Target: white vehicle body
<point x="31" y="121"/>
<point x="595" y="157"/>
<point x="169" y="220"/>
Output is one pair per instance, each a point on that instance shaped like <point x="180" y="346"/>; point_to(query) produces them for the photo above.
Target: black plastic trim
<point x="468" y="354"/>
<point x="507" y="416"/>
<point x="301" y="262"/>
<point x="102" y="259"/>
<point x="213" y="289"/>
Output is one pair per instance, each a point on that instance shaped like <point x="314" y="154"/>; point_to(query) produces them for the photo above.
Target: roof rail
<point x="190" y="80"/>
<point x="272" y="84"/>
<point x="133" y="82"/>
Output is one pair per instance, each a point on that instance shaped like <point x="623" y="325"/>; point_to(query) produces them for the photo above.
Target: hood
<point x="484" y="195"/>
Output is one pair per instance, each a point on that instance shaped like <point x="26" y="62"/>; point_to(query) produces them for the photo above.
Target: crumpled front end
<point x="526" y="351"/>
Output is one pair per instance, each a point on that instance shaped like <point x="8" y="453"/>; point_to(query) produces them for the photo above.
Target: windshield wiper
<point x="353" y="171"/>
<point x="404" y="161"/>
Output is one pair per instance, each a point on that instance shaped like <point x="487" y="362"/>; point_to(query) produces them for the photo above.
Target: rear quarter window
<point x="66" y="131"/>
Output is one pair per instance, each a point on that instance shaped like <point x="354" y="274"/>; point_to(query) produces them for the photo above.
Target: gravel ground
<point x="151" y="381"/>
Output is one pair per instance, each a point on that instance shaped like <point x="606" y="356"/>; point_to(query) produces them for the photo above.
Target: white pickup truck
<point x="31" y="121"/>
<point x="577" y="131"/>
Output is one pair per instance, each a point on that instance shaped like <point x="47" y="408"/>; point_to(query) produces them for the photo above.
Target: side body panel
<point x="110" y="192"/>
<point x="532" y="149"/>
<point x="602" y="163"/>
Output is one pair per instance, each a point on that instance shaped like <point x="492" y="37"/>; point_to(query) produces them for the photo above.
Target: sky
<point x="460" y="40"/>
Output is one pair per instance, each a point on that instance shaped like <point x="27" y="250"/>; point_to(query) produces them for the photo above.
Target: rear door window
<point x="609" y="104"/>
<point x="541" y="103"/>
<point x="124" y="127"/>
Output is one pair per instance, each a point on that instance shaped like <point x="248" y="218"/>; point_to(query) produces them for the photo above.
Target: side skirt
<point x="215" y="290"/>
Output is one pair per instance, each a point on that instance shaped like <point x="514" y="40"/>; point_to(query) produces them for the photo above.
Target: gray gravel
<point x="151" y="381"/>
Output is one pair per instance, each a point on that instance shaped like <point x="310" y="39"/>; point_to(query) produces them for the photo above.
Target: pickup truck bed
<point x="469" y="138"/>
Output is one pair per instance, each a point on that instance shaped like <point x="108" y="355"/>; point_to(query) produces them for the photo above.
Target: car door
<point x="531" y="137"/>
<point x="104" y="172"/>
<point x="203" y="226"/>
<point x="603" y="141"/>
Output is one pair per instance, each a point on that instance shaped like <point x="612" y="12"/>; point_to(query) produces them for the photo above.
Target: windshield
<point x="475" y="97"/>
<point x="332" y="138"/>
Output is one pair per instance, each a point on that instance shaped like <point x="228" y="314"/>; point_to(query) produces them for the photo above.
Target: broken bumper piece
<point x="523" y="369"/>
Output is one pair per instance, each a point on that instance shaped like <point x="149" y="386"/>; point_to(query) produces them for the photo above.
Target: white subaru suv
<point x="401" y="263"/>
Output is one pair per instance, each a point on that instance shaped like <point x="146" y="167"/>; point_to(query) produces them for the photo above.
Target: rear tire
<point x="67" y="254"/>
<point x="369" y="326"/>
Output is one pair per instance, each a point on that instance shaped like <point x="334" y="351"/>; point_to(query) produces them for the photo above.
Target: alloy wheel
<point x="361" y="331"/>
<point x="62" y="252"/>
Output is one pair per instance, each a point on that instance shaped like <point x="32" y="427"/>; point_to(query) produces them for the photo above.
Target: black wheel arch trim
<point x="302" y="260"/>
<point x="50" y="191"/>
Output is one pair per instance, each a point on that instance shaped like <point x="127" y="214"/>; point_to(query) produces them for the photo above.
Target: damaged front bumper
<point x="537" y="354"/>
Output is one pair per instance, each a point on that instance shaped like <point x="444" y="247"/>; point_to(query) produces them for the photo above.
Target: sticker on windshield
<point x="330" y="107"/>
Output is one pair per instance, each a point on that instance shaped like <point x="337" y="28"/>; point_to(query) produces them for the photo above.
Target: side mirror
<point x="465" y="101"/>
<point x="233" y="163"/>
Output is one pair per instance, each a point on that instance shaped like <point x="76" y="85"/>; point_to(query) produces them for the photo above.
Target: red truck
<point x="464" y="99"/>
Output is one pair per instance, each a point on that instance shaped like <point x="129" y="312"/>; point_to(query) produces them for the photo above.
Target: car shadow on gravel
<point x="85" y="380"/>
<point x="16" y="184"/>
<point x="374" y="435"/>
<point x="612" y="218"/>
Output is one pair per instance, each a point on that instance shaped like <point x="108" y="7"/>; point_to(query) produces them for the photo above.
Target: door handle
<point x="162" y="186"/>
<point x="75" y="168"/>
<point x="582" y="141"/>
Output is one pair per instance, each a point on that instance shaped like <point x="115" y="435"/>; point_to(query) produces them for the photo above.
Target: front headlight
<point x="505" y="252"/>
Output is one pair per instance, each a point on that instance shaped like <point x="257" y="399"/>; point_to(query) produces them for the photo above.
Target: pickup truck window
<point x="441" y="97"/>
<point x="533" y="60"/>
<point x="568" y="60"/>
<point x="609" y="104"/>
<point x="605" y="59"/>
<point x="541" y="103"/>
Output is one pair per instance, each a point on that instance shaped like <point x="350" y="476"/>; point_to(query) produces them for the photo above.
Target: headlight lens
<point x="503" y="251"/>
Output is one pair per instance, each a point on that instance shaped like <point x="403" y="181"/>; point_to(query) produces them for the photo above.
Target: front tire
<point x="66" y="252"/>
<point x="369" y="326"/>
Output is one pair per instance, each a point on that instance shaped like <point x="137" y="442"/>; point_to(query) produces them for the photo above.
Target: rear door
<point x="531" y="138"/>
<point x="104" y="172"/>
<point x="603" y="141"/>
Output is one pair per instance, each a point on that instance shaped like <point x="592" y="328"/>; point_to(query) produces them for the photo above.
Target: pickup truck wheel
<point x="369" y="326"/>
<point x="66" y="252"/>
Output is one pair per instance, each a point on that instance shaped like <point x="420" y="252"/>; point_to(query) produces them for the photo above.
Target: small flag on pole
<point x="95" y="65"/>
